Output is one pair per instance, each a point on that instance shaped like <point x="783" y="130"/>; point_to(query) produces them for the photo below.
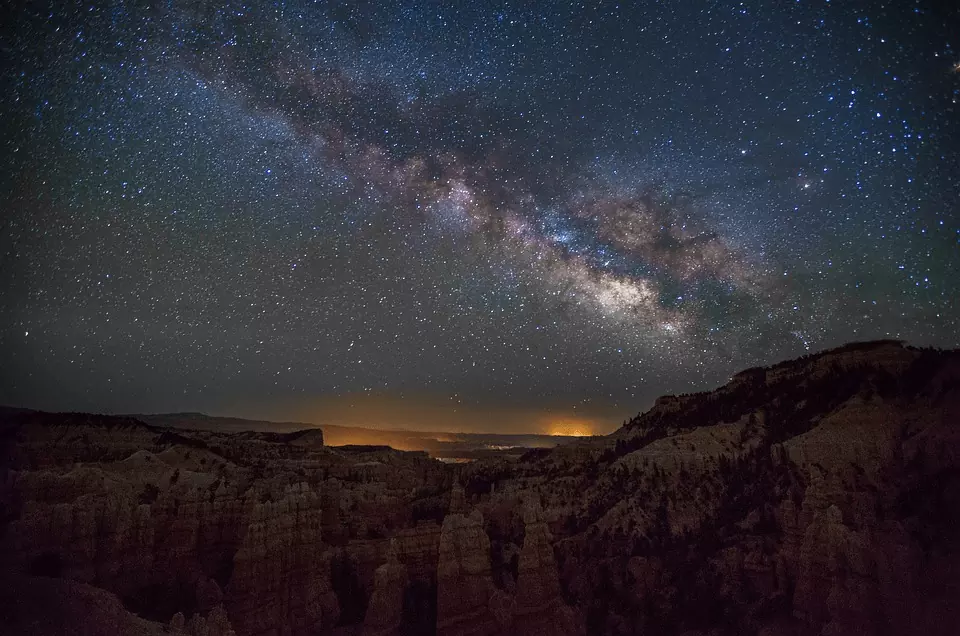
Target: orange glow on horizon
<point x="405" y="419"/>
<point x="570" y="427"/>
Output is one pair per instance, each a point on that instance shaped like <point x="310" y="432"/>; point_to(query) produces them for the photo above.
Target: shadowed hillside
<point x="816" y="496"/>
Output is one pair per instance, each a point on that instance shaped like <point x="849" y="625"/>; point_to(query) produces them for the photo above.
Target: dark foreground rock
<point x="819" y="496"/>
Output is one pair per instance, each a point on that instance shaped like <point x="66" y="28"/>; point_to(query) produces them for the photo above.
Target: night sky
<point x="465" y="215"/>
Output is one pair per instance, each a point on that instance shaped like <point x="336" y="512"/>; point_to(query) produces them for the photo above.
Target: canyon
<point x="817" y="496"/>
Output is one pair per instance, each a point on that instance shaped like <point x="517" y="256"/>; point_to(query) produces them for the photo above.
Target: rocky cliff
<point x="271" y="532"/>
<point x="539" y="606"/>
<point x="819" y="496"/>
<point x="466" y="597"/>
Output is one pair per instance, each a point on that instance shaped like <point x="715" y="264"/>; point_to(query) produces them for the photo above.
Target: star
<point x="363" y="204"/>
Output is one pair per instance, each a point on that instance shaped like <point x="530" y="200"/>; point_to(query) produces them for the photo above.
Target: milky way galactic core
<point x="541" y="205"/>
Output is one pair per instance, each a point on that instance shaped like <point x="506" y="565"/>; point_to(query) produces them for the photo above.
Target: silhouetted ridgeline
<point x="816" y="496"/>
<point x="688" y="494"/>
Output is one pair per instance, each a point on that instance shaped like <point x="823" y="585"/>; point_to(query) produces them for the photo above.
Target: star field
<point x="557" y="208"/>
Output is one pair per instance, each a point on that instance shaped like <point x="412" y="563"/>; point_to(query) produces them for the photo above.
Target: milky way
<point x="562" y="208"/>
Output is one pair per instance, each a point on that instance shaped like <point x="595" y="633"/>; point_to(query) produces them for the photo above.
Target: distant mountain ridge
<point x="443" y="444"/>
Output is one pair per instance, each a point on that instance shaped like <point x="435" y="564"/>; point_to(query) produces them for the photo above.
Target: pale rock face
<point x="385" y="611"/>
<point x="280" y="572"/>
<point x="854" y="572"/>
<point x="539" y="607"/>
<point x="215" y="623"/>
<point x="178" y="622"/>
<point x="159" y="534"/>
<point x="464" y="586"/>
<point x="469" y="603"/>
<point x="537" y="584"/>
<point x="458" y="502"/>
<point x="418" y="550"/>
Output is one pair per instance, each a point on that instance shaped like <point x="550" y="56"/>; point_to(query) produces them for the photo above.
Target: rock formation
<point x="810" y="497"/>
<point x="819" y="496"/>
<point x="465" y="593"/>
<point x="44" y="606"/>
<point x="384" y="613"/>
<point x="215" y="623"/>
<point x="186" y="522"/>
<point x="539" y="606"/>
<point x="280" y="571"/>
<point x="458" y="501"/>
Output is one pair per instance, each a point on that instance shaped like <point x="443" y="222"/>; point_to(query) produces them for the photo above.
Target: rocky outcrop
<point x="43" y="606"/>
<point x="418" y="548"/>
<point x="162" y="549"/>
<point x="187" y="522"/>
<point x="539" y="606"/>
<point x="215" y="623"/>
<point x="385" y="611"/>
<point x="281" y="573"/>
<point x="458" y="501"/>
<point x="854" y="565"/>
<point x="816" y="497"/>
<point x="467" y="602"/>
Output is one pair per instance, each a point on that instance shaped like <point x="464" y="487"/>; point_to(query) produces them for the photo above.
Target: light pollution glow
<point x="434" y="414"/>
<point x="573" y="427"/>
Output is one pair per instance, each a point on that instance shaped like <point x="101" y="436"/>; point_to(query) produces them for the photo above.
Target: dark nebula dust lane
<point x="533" y="208"/>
